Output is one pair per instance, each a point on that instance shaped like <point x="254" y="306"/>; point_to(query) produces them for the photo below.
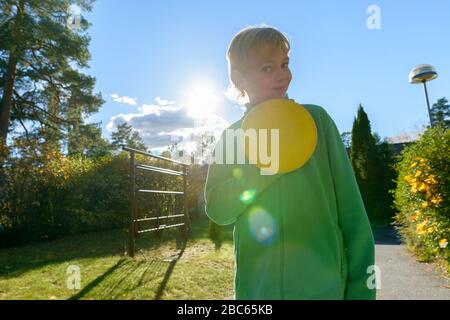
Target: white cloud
<point x="124" y="99"/>
<point x="119" y="119"/>
<point x="163" y="102"/>
<point x="162" y="123"/>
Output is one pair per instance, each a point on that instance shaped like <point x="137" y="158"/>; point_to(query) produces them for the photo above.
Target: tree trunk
<point x="6" y="102"/>
<point x="10" y="76"/>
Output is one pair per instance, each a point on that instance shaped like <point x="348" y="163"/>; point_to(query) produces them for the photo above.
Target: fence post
<point x="184" y="229"/>
<point x="132" y="230"/>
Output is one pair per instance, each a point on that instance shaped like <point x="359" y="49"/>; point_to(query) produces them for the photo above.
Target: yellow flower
<point x="436" y="200"/>
<point x="431" y="229"/>
<point x="422" y="187"/>
<point x="413" y="164"/>
<point x="431" y="179"/>
<point x="443" y="243"/>
<point x="418" y="173"/>
<point x="420" y="159"/>
<point x="415" y="216"/>
<point x="424" y="204"/>
<point x="420" y="230"/>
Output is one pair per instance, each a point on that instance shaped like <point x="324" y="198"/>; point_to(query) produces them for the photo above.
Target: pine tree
<point x="440" y="113"/>
<point x="125" y="136"/>
<point x="363" y="159"/>
<point x="373" y="163"/>
<point x="40" y="61"/>
<point x="87" y="142"/>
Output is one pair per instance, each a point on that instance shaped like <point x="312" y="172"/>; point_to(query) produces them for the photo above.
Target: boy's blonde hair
<point x="251" y="42"/>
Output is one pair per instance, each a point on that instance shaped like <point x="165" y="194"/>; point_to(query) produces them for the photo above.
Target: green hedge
<point x="54" y="196"/>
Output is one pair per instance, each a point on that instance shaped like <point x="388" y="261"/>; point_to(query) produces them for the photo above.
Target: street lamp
<point x="421" y="74"/>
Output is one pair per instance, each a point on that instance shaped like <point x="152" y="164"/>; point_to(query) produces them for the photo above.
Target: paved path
<point x="402" y="277"/>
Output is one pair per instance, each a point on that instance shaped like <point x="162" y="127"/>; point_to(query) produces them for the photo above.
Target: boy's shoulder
<point x="315" y="109"/>
<point x="321" y="117"/>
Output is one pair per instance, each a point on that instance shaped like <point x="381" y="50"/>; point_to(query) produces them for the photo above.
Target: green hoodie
<point x="303" y="234"/>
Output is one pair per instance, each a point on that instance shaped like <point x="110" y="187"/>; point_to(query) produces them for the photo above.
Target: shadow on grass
<point x="218" y="242"/>
<point x="98" y="280"/>
<point x="128" y="275"/>
<point x="168" y="273"/>
<point x="18" y="260"/>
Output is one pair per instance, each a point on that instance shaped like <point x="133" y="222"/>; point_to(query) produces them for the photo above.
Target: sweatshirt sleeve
<point x="231" y="188"/>
<point x="352" y="216"/>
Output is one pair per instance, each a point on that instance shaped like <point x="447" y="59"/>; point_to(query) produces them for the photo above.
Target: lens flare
<point x="202" y="101"/>
<point x="237" y="173"/>
<point x="248" y="196"/>
<point x="262" y="225"/>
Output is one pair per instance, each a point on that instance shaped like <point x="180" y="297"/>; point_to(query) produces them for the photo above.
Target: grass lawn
<point x="162" y="269"/>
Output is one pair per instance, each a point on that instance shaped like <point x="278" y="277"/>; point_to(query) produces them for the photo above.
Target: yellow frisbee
<point x="282" y="150"/>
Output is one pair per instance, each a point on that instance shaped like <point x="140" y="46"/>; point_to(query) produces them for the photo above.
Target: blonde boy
<point x="298" y="235"/>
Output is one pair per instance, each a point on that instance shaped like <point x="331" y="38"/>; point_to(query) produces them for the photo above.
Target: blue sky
<point x="159" y="53"/>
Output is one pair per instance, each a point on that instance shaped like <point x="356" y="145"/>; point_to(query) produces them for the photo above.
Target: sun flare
<point x="202" y="101"/>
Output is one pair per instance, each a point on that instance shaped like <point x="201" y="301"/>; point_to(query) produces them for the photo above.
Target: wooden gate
<point x="163" y="222"/>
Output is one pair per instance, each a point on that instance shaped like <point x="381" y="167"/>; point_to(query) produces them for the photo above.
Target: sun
<point x="202" y="101"/>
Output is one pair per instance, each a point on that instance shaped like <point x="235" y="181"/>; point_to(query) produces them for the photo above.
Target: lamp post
<point x="421" y="74"/>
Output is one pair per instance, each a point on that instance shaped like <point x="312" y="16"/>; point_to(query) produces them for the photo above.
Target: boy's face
<point x="267" y="78"/>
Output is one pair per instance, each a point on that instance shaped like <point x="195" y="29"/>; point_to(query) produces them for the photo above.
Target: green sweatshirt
<point x="303" y="234"/>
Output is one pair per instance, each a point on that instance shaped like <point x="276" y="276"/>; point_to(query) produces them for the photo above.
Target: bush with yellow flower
<point x="422" y="193"/>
